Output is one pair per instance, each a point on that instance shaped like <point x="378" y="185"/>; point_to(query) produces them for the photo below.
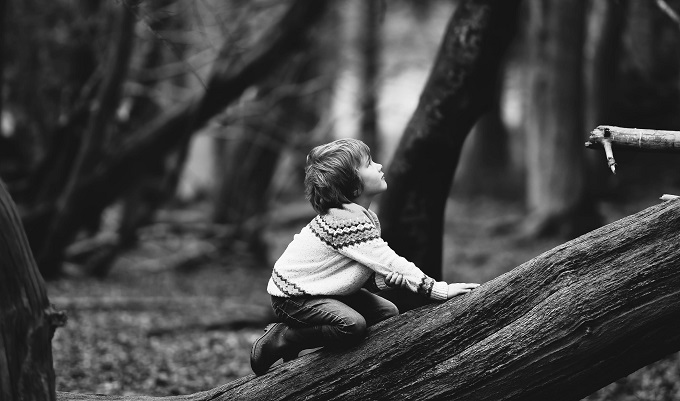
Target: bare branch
<point x="669" y="11"/>
<point x="651" y="140"/>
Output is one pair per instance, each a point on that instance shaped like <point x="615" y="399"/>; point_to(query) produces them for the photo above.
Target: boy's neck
<point x="362" y="201"/>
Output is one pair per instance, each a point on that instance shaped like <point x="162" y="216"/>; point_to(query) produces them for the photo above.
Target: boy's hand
<point x="394" y="279"/>
<point x="460" y="289"/>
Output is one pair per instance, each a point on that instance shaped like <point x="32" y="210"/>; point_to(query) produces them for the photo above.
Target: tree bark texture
<point x="556" y="176"/>
<point x="26" y="371"/>
<point x="557" y="327"/>
<point x="460" y="88"/>
<point x="152" y="142"/>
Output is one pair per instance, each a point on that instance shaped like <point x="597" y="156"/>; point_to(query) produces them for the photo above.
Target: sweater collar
<point x="354" y="207"/>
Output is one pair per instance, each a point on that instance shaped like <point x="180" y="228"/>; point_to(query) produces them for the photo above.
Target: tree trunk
<point x="26" y="328"/>
<point x="460" y="88"/>
<point x="556" y="192"/>
<point x="485" y="167"/>
<point x="558" y="327"/>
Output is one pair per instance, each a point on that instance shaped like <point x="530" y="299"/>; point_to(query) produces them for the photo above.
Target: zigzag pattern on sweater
<point x="343" y="233"/>
<point x="425" y="286"/>
<point x="286" y="286"/>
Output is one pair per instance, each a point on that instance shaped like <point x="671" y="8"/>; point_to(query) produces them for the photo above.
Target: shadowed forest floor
<point x="150" y="330"/>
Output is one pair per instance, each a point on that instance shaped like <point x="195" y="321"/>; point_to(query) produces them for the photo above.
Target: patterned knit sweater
<point x="341" y="251"/>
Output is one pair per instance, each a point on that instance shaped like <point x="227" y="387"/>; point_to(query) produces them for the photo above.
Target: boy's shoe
<point x="267" y="349"/>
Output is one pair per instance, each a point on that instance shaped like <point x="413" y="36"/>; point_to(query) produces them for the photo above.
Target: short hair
<point x="331" y="173"/>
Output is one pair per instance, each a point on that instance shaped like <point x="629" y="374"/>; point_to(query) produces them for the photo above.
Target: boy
<point x="318" y="285"/>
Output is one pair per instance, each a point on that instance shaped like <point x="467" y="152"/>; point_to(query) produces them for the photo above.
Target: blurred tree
<point x="605" y="25"/>
<point x="71" y="213"/>
<point x="371" y="15"/>
<point x="97" y="179"/>
<point x="461" y="87"/>
<point x="283" y="112"/>
<point x="557" y="196"/>
<point x="485" y="167"/>
<point x="648" y="90"/>
<point x="157" y="183"/>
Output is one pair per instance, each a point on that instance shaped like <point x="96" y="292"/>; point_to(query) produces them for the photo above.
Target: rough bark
<point x="558" y="327"/>
<point x="26" y="328"/>
<point x="460" y="88"/>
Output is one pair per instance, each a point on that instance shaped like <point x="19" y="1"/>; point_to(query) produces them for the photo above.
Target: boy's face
<point x="373" y="178"/>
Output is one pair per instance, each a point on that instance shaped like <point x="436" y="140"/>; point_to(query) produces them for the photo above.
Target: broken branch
<point x="610" y="137"/>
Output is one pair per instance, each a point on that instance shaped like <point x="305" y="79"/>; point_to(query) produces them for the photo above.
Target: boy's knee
<point x="353" y="331"/>
<point x="391" y="310"/>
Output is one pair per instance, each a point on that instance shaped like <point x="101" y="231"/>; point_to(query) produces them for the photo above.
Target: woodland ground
<point x="150" y="330"/>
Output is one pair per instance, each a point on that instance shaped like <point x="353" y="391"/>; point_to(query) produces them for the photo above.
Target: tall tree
<point x="369" y="45"/>
<point x="460" y="88"/>
<point x="27" y="321"/>
<point x="557" y="194"/>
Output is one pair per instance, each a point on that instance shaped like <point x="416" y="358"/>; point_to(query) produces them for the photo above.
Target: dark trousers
<point x="337" y="321"/>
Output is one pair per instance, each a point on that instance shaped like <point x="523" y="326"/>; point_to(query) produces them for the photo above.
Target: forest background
<point x="156" y="193"/>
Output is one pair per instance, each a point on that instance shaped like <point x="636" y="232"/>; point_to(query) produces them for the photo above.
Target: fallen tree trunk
<point x="558" y="327"/>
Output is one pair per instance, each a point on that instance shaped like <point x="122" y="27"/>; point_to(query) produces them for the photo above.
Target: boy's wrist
<point x="440" y="291"/>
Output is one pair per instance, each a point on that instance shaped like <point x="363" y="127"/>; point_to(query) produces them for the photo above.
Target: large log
<point x="558" y="327"/>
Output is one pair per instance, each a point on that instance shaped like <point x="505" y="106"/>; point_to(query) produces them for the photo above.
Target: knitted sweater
<point x="338" y="253"/>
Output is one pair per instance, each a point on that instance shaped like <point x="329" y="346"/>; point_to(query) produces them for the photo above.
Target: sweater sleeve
<point x="382" y="259"/>
<point x="359" y="239"/>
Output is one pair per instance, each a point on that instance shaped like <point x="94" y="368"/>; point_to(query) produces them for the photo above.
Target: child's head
<point x="331" y="173"/>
